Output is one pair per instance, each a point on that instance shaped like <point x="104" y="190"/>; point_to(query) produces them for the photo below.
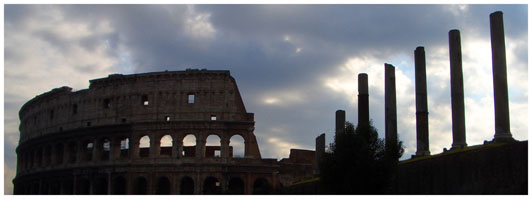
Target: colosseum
<point x="91" y="141"/>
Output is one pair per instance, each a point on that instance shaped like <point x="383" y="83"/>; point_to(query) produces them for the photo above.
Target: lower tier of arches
<point x="150" y="180"/>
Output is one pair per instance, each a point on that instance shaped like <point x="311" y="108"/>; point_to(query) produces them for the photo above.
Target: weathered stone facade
<point x="87" y="141"/>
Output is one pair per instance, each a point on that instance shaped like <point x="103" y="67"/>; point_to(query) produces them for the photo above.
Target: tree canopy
<point x="358" y="163"/>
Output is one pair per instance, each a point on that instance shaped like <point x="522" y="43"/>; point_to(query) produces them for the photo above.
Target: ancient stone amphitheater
<point x="90" y="141"/>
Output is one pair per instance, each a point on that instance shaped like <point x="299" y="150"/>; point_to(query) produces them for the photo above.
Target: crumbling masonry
<point x="88" y="141"/>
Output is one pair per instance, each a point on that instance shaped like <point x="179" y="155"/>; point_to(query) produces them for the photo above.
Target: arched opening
<point x="166" y="145"/>
<point x="83" y="186"/>
<point x="72" y="152"/>
<point x="67" y="187"/>
<point x="189" y="146"/>
<point x="213" y="146"/>
<point x="144" y="146"/>
<point x="87" y="153"/>
<point x="59" y="150"/>
<point x="163" y="186"/>
<point x="124" y="148"/>
<point x="119" y="186"/>
<point x="261" y="186"/>
<point x="211" y="185"/>
<point x="43" y="188"/>
<point x="236" y="186"/>
<point x="100" y="186"/>
<point x="106" y="148"/>
<point x="35" y="189"/>
<point x="237" y="146"/>
<point x="186" y="186"/>
<point x="141" y="186"/>
<point x="55" y="187"/>
<point x="47" y="155"/>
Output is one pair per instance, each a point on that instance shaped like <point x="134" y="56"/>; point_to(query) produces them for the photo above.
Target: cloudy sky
<point x="295" y="65"/>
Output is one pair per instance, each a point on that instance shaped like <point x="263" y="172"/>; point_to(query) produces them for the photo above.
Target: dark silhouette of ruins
<point x="497" y="167"/>
<point x="88" y="141"/>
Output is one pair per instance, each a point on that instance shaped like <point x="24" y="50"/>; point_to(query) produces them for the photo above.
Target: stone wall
<point x="485" y="170"/>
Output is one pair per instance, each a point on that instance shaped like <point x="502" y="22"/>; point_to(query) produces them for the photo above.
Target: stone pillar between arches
<point x="134" y="145"/>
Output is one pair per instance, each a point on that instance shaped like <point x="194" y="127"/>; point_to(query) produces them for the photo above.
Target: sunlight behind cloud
<point x="198" y="25"/>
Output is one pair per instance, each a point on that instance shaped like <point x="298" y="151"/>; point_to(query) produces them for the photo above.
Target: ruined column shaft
<point x="320" y="150"/>
<point x="390" y="106"/>
<point x="340" y="121"/>
<point x="363" y="100"/>
<point x="422" y="114"/>
<point x="500" y="85"/>
<point x="457" y="90"/>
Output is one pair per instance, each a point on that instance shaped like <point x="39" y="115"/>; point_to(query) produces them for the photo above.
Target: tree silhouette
<point x="358" y="163"/>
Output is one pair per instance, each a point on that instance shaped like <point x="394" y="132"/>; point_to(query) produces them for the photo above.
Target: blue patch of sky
<point x="405" y="64"/>
<point x="124" y="64"/>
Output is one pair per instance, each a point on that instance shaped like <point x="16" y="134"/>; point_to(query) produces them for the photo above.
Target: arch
<point x="106" y="149"/>
<point x="261" y="186"/>
<point x="100" y="186"/>
<point x="58" y="153"/>
<point x="237" y="146"/>
<point x="119" y="186"/>
<point x="140" y="186"/>
<point x="55" y="187"/>
<point x="124" y="147"/>
<point x="88" y="147"/>
<point x="236" y="186"/>
<point x="166" y="145"/>
<point x="35" y="188"/>
<point x="42" y="189"/>
<point x="47" y="155"/>
<point x="83" y="186"/>
<point x="144" y="146"/>
<point x="189" y="146"/>
<point x="67" y="186"/>
<point x="211" y="185"/>
<point x="186" y="186"/>
<point x="213" y="147"/>
<point x="163" y="186"/>
<point x="72" y="149"/>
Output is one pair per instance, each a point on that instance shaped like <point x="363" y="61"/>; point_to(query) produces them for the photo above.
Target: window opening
<point x="145" y="101"/>
<point x="74" y="109"/>
<point x="106" y="103"/>
<point x="191" y="98"/>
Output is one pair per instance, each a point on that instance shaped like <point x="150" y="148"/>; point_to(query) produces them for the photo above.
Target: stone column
<point x="155" y="147"/>
<point x="457" y="91"/>
<point x="66" y="154"/>
<point x="34" y="157"/>
<point x="134" y="149"/>
<point x="53" y="155"/>
<point x="224" y="144"/>
<point x="80" y="153"/>
<point x="175" y="147"/>
<point x="390" y="107"/>
<point x="320" y="150"/>
<point x="114" y="150"/>
<point x="179" y="146"/>
<point x="500" y="83"/>
<point x="340" y="121"/>
<point x="422" y="114"/>
<point x="97" y="150"/>
<point x="246" y="148"/>
<point x="363" y="100"/>
<point x="200" y="146"/>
